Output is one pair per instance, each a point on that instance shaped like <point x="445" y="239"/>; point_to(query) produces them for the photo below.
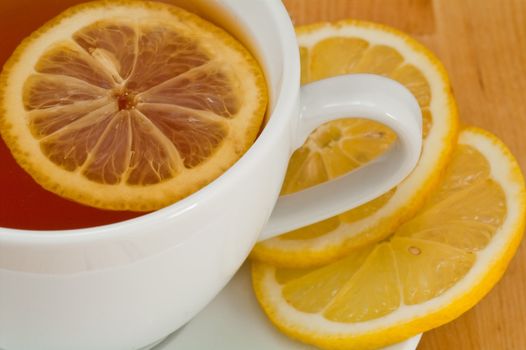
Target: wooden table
<point x="483" y="46"/>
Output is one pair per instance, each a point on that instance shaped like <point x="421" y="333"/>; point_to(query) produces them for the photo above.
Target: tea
<point x="24" y="204"/>
<point x="134" y="107"/>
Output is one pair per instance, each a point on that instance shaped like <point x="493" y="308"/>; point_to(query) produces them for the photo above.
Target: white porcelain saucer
<point x="233" y="321"/>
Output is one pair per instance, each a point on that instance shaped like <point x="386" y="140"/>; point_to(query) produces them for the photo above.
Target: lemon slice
<point x="129" y="105"/>
<point x="435" y="267"/>
<point x="341" y="146"/>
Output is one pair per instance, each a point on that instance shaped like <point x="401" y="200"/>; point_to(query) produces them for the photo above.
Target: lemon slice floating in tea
<point x="435" y="267"/>
<point x="129" y="104"/>
<point x="330" y="49"/>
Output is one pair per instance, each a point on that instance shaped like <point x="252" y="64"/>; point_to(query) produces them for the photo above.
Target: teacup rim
<point x="286" y="99"/>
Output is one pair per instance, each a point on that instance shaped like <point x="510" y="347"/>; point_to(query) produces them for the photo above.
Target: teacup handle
<point x="361" y="96"/>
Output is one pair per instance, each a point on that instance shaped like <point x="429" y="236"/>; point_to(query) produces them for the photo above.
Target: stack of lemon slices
<point x="338" y="147"/>
<point x="414" y="258"/>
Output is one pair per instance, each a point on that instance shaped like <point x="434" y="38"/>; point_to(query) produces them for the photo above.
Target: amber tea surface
<point x="117" y="112"/>
<point x="24" y="204"/>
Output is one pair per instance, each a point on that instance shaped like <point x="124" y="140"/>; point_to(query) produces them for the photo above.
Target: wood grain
<point x="482" y="43"/>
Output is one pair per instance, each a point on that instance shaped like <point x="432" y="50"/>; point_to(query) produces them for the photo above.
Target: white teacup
<point x="129" y="284"/>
